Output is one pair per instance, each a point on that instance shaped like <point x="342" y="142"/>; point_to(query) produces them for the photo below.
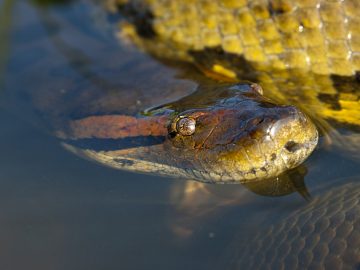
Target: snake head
<point x="241" y="136"/>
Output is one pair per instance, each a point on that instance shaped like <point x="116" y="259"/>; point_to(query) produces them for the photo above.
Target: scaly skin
<point x="289" y="47"/>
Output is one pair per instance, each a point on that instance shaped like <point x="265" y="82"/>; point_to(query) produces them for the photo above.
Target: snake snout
<point x="295" y="136"/>
<point x="281" y="138"/>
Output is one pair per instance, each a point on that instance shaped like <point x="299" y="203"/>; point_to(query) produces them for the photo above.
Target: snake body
<point x="302" y="52"/>
<point x="324" y="234"/>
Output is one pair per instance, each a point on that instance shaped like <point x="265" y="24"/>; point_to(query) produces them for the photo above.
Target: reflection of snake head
<point x="243" y="136"/>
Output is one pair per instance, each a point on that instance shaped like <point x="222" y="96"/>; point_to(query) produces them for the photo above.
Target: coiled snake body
<point x="306" y="52"/>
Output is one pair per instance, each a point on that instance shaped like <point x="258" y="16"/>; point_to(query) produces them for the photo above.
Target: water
<point x="59" y="211"/>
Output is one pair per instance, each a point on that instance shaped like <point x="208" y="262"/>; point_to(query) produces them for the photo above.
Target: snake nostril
<point x="172" y="134"/>
<point x="292" y="146"/>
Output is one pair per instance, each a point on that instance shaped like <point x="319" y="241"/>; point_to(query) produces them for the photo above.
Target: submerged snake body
<point x="323" y="235"/>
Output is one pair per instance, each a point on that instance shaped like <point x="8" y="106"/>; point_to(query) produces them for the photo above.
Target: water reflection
<point x="287" y="183"/>
<point x="197" y="202"/>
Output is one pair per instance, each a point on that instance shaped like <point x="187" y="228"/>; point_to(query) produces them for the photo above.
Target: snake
<point x="307" y="68"/>
<point x="305" y="53"/>
<point x="329" y="94"/>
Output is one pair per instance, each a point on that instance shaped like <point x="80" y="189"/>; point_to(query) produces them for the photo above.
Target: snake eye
<point x="186" y="126"/>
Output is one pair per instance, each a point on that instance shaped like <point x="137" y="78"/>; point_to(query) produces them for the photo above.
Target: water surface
<point x="58" y="211"/>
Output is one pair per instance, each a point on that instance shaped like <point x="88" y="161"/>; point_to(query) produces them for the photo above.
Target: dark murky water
<point x="58" y="211"/>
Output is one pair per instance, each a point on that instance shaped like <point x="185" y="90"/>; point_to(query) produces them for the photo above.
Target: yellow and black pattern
<point x="290" y="47"/>
<point x="322" y="36"/>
